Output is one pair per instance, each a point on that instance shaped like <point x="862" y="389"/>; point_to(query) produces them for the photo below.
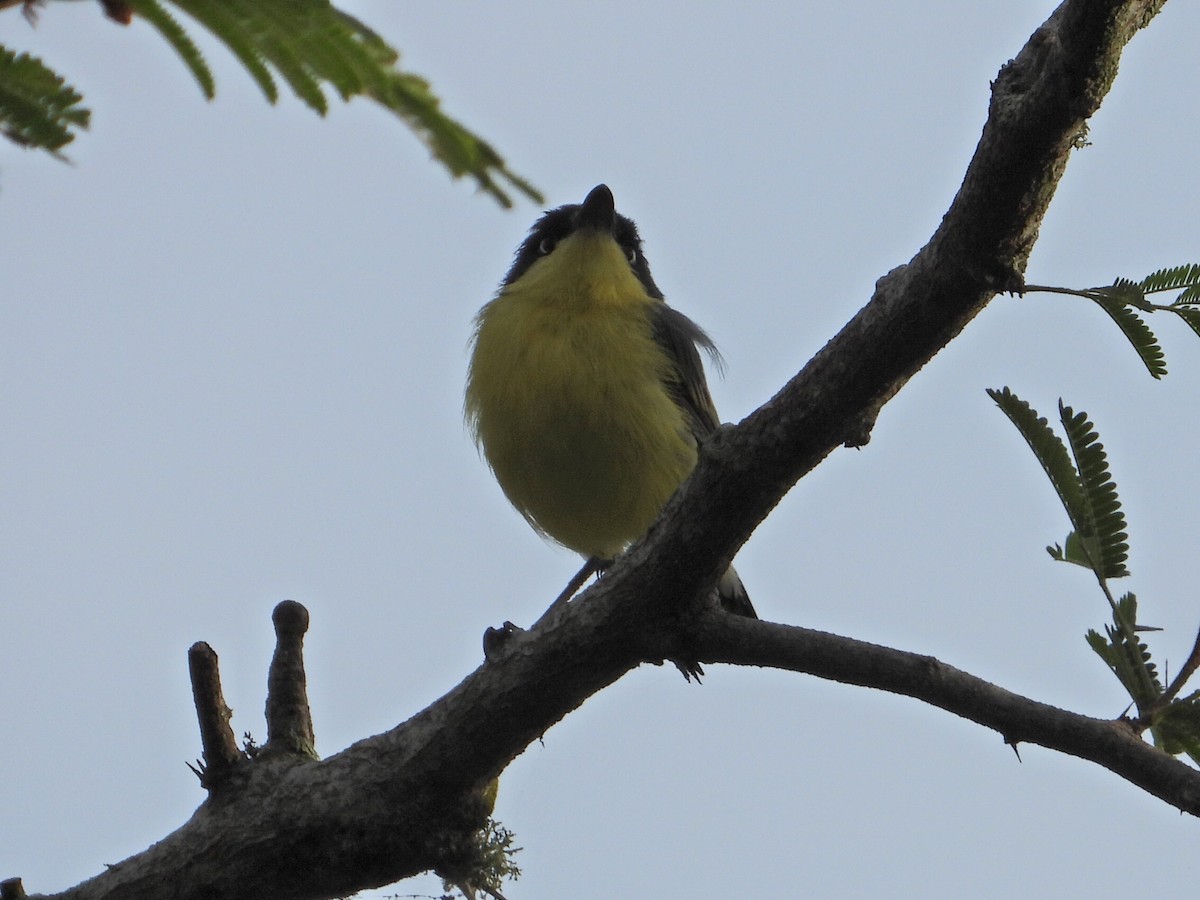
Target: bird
<point x="586" y="392"/>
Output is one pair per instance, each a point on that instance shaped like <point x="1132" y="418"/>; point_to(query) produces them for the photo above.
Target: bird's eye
<point x="631" y="254"/>
<point x="546" y="247"/>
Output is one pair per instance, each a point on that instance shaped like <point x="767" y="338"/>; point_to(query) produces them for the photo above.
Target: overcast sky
<point x="233" y="341"/>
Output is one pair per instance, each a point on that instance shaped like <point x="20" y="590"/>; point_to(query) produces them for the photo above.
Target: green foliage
<point x="411" y="98"/>
<point x="1102" y="529"/>
<point x="308" y="44"/>
<point x="1129" y="660"/>
<point x="1186" y="280"/>
<point x="1176" y="728"/>
<point x="166" y="25"/>
<point x="37" y="107"/>
<point x="1185" y="276"/>
<point x="1081" y="478"/>
<point x="1121" y="298"/>
<point x="1174" y="724"/>
<point x="1087" y="491"/>
<point x="1137" y="331"/>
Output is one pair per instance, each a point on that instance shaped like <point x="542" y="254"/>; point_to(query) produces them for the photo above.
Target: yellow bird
<point x="586" y="392"/>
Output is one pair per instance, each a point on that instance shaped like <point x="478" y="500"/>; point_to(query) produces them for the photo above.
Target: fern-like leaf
<point x="1190" y="316"/>
<point x="309" y="44"/>
<point x="1050" y="452"/>
<point x="295" y="70"/>
<point x="1103" y="529"/>
<point x="330" y="49"/>
<point x="1185" y="276"/>
<point x="1177" y="728"/>
<point x="220" y="18"/>
<point x="1122" y="291"/>
<point x="1074" y="550"/>
<point x="1189" y="297"/>
<point x="1115" y="658"/>
<point x="166" y="25"/>
<point x="1127" y="657"/>
<point x="38" y="109"/>
<point x="1137" y="332"/>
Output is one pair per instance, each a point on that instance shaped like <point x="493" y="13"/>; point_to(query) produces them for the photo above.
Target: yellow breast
<point x="566" y="399"/>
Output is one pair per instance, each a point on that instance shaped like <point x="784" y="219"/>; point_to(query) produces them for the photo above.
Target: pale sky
<point x="233" y="340"/>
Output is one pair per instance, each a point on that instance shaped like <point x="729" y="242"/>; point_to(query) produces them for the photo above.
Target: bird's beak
<point x="599" y="210"/>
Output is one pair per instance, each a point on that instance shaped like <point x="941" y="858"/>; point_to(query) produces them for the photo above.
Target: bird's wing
<point x="679" y="338"/>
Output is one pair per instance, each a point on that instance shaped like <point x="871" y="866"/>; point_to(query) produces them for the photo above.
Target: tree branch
<point x="1040" y="104"/>
<point x="1114" y="744"/>
<point x="405" y="801"/>
<point x="289" y="721"/>
<point x="218" y="746"/>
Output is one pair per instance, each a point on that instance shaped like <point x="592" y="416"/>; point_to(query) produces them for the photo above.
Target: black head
<point x="598" y="211"/>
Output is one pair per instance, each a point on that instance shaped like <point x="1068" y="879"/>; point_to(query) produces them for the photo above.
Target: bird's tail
<point x="733" y="595"/>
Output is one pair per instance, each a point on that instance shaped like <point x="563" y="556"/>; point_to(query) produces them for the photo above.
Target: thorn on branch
<point x="289" y="720"/>
<point x="1016" y="749"/>
<point x="220" y="750"/>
